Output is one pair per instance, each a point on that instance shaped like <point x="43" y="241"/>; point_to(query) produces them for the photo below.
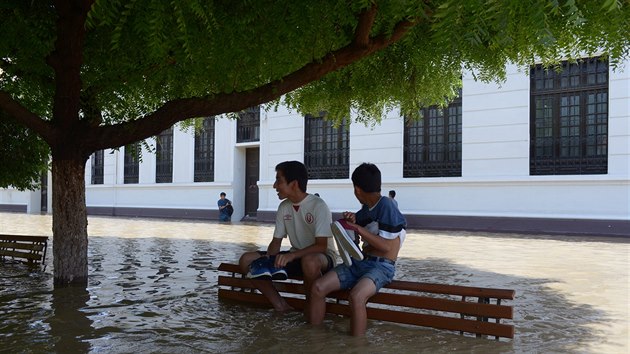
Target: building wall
<point x="495" y="184"/>
<point x="495" y="178"/>
<point x="14" y="200"/>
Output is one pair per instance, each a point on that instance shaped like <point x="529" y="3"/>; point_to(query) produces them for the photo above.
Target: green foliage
<point x="27" y="38"/>
<point x="478" y="35"/>
<point x="140" y="54"/>
<point x="23" y="156"/>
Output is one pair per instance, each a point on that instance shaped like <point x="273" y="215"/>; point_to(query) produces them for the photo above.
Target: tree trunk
<point x="70" y="239"/>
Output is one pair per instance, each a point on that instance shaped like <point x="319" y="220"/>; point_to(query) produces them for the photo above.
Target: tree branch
<point x="366" y="21"/>
<point x="177" y="110"/>
<point x="25" y="117"/>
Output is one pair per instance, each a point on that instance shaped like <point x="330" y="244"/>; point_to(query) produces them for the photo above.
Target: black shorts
<point x="294" y="268"/>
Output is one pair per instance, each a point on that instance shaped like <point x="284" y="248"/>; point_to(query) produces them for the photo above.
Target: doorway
<point x="252" y="166"/>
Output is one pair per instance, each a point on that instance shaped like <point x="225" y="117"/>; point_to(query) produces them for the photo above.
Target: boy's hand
<point x="282" y="260"/>
<point x="349" y="216"/>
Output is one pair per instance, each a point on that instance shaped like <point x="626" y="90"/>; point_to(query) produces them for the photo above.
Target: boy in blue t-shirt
<point x="381" y="227"/>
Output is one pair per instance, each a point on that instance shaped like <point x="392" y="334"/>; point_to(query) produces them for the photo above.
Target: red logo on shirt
<point x="309" y="218"/>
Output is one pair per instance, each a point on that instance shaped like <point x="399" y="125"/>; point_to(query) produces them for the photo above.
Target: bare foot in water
<point x="284" y="308"/>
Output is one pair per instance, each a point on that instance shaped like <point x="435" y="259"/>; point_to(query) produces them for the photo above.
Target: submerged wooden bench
<point x="25" y="249"/>
<point x="451" y="307"/>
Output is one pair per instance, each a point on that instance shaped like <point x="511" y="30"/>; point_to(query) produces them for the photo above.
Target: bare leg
<point x="313" y="266"/>
<point x="359" y="295"/>
<point x="246" y="259"/>
<point x="269" y="291"/>
<point x="264" y="286"/>
<point x="322" y="287"/>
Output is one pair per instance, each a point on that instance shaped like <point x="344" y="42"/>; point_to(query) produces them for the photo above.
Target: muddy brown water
<point x="152" y="289"/>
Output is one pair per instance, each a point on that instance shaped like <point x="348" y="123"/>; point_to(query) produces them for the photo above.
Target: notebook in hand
<point x="345" y="243"/>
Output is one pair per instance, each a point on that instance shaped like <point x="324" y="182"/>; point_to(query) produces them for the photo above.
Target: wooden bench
<point x="25" y="249"/>
<point x="450" y="307"/>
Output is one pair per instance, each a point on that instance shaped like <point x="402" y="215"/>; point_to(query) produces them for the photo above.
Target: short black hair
<point x="367" y="177"/>
<point x="294" y="171"/>
<point x="222" y="194"/>
<point x="392" y="193"/>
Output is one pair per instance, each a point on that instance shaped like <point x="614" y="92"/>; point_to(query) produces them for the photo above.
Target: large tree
<point x="87" y="75"/>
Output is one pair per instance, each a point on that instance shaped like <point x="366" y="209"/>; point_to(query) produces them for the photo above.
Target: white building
<point x="542" y="152"/>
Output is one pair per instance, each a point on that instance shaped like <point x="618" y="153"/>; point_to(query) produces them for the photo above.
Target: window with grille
<point x="97" y="167"/>
<point x="164" y="157"/>
<point x="569" y="118"/>
<point x="326" y="148"/>
<point x="433" y="144"/>
<point x="204" y="152"/>
<point x="248" y="125"/>
<point x="132" y="163"/>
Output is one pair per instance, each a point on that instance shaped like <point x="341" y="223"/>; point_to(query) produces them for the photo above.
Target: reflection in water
<point x="152" y="288"/>
<point x="70" y="328"/>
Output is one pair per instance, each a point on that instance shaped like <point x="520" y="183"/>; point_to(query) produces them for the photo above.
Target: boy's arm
<point x="274" y="246"/>
<point x="376" y="245"/>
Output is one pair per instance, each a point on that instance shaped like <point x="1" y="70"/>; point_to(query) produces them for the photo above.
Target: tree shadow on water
<point x="545" y="320"/>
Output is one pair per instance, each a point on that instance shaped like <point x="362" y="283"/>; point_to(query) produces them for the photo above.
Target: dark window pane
<point x="97" y="167"/>
<point x="132" y="163"/>
<point x="164" y="157"/>
<point x="326" y="148"/>
<point x="204" y="152"/>
<point x="248" y="125"/>
<point x="433" y="144"/>
<point x="569" y="119"/>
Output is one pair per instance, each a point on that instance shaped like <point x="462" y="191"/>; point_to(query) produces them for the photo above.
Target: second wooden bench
<point x="25" y="249"/>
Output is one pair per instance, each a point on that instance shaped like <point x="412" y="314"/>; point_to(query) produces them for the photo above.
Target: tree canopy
<point x="92" y="74"/>
<point x="138" y="56"/>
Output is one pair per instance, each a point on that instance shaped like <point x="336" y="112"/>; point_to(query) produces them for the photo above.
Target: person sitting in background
<point x="392" y="195"/>
<point x="224" y="211"/>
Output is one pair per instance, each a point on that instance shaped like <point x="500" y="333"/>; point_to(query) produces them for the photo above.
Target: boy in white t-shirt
<point x="303" y="218"/>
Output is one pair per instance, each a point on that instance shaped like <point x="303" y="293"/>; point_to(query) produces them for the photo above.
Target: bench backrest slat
<point x="22" y="246"/>
<point x="27" y="238"/>
<point x="424" y="287"/>
<point x="452" y="289"/>
<point x="15" y="254"/>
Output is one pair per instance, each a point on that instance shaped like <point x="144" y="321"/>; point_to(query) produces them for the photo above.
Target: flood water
<point x="152" y="289"/>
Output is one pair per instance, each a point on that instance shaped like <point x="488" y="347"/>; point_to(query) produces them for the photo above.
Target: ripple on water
<point x="152" y="288"/>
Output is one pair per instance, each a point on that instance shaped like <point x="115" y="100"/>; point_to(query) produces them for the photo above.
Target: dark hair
<point x="392" y="193"/>
<point x="294" y="171"/>
<point x="367" y="177"/>
<point x="222" y="194"/>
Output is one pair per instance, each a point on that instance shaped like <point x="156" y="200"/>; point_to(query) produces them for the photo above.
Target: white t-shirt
<point x="304" y="221"/>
